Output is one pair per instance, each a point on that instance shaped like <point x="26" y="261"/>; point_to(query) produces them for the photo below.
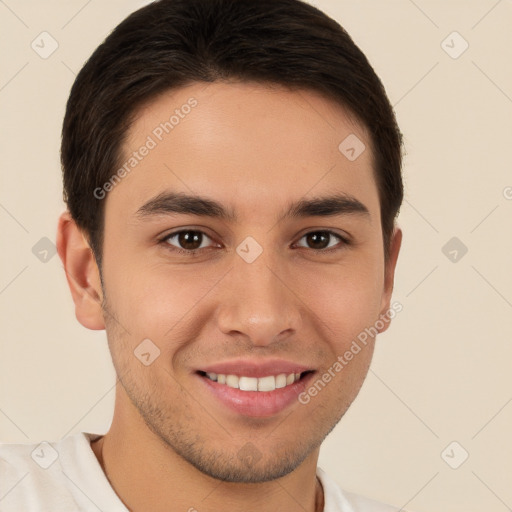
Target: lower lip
<point x="257" y="403"/>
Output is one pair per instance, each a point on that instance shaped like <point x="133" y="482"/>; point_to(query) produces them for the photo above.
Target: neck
<point x="146" y="474"/>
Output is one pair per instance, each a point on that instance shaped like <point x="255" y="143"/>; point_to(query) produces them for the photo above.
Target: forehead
<point x="241" y="143"/>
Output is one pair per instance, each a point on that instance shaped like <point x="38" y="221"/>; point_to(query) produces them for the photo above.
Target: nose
<point x="259" y="302"/>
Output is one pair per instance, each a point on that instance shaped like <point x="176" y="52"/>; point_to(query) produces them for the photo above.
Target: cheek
<point x="159" y="301"/>
<point x="345" y="298"/>
<point x="347" y="306"/>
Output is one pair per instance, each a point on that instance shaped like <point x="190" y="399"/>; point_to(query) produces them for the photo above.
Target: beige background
<point x="442" y="373"/>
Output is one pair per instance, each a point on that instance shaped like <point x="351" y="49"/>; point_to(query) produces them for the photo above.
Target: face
<point x="224" y="313"/>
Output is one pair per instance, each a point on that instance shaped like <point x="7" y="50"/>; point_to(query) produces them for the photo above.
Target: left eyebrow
<point x="329" y="206"/>
<point x="178" y="202"/>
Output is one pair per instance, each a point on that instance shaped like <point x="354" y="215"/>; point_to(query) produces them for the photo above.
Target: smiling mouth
<point x="264" y="384"/>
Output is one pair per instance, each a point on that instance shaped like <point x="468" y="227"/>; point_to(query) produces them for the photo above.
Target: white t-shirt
<point x="65" y="476"/>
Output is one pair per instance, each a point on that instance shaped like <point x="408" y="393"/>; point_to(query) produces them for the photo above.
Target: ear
<point x="82" y="273"/>
<point x="389" y="273"/>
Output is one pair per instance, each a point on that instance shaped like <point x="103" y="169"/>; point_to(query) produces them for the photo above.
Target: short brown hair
<point x="172" y="43"/>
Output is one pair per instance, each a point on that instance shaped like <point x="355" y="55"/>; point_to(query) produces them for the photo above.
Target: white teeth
<point x="232" y="381"/>
<point x="280" y="381"/>
<point x="269" y="383"/>
<point x="248" y="384"/>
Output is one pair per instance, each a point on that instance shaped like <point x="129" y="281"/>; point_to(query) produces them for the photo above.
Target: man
<point x="232" y="170"/>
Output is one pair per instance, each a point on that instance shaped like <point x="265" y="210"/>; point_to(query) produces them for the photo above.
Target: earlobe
<point x="389" y="276"/>
<point x="82" y="273"/>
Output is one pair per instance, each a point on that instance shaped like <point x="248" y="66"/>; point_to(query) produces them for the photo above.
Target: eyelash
<point x="194" y="252"/>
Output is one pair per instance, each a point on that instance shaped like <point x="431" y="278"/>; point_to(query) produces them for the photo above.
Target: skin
<point x="253" y="148"/>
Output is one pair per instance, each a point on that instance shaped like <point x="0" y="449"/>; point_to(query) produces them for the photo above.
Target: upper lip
<point x="254" y="368"/>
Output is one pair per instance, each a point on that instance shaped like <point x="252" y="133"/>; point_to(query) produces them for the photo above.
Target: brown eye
<point x="187" y="240"/>
<point x="320" y="240"/>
